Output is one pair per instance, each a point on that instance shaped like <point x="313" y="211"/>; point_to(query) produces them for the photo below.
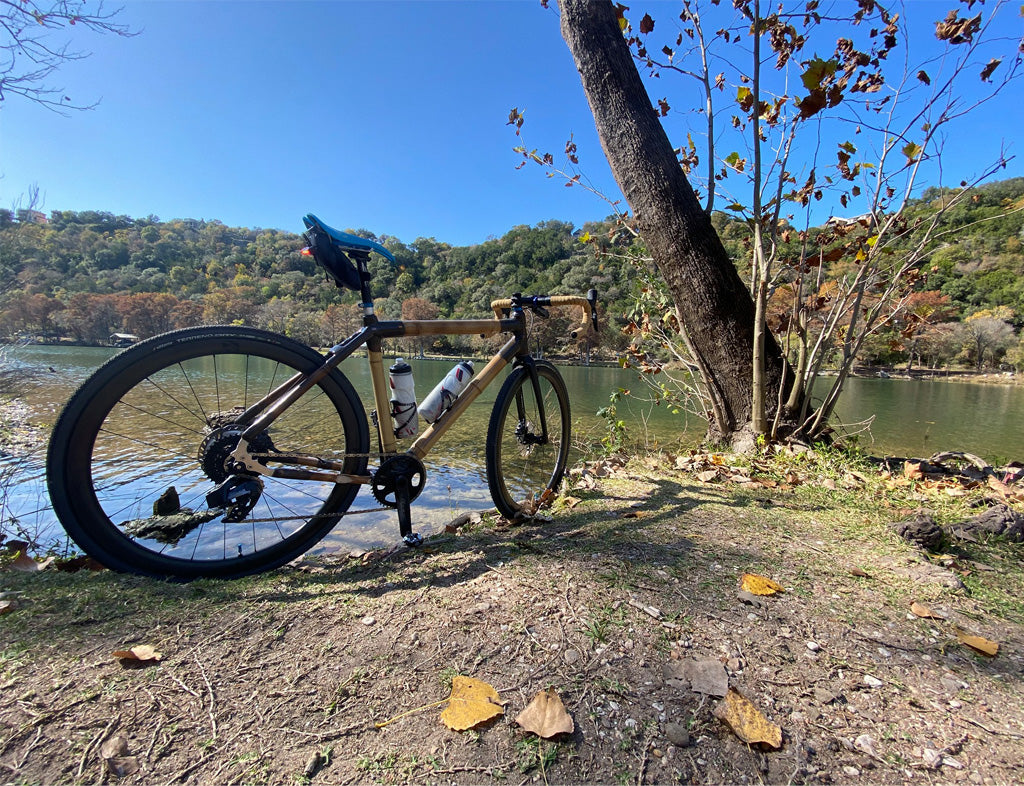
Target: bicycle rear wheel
<point x="142" y="442"/>
<point x="524" y="469"/>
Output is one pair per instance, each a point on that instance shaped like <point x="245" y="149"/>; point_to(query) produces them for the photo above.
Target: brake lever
<point x="542" y="312"/>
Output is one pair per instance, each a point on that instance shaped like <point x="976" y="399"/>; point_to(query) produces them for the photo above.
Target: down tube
<point x="422" y="446"/>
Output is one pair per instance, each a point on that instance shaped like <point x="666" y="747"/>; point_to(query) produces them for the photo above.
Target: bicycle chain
<point x="322" y="515"/>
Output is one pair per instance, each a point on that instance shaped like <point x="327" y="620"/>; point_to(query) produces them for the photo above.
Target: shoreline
<point x="863" y="372"/>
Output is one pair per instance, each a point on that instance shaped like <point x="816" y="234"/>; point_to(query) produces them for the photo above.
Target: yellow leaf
<point x="546" y="716"/>
<point x="472" y="702"/>
<point x="746" y="720"/>
<point x="759" y="585"/>
<point x="978" y="644"/>
<point x="141" y="652"/>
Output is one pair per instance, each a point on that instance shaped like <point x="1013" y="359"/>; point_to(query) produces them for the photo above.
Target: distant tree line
<point x="86" y="275"/>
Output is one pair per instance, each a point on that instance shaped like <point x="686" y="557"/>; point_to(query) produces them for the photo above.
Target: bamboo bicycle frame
<point x="260" y="415"/>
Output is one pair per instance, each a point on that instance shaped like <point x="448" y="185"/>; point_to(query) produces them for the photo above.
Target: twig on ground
<point x="999" y="732"/>
<point x="97" y="740"/>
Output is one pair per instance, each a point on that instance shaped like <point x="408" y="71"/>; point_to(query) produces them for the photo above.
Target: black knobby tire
<point x="523" y="474"/>
<point x="142" y="424"/>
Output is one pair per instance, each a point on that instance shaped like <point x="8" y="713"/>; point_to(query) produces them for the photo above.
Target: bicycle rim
<point x="524" y="472"/>
<point x="145" y="440"/>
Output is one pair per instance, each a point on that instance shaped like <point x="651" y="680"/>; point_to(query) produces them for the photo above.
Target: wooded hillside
<point x="85" y="275"/>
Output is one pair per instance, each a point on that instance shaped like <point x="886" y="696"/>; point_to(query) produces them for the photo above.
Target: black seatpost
<point x="362" y="261"/>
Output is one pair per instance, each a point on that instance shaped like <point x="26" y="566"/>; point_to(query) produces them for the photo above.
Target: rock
<point x="865" y="743"/>
<point x="827" y="694"/>
<point x="921" y="530"/>
<point x="997" y="520"/>
<point x="167" y="503"/>
<point x="168" y="528"/>
<point x="932" y="758"/>
<point x="751" y="599"/>
<point x="368" y="621"/>
<point x="677" y="734"/>
<point x="872" y="682"/>
<point x="704" y="675"/>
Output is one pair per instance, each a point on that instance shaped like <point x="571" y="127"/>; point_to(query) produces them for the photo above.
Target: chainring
<point x="386" y="477"/>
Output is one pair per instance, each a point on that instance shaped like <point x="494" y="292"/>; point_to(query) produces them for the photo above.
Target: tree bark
<point x="715" y="308"/>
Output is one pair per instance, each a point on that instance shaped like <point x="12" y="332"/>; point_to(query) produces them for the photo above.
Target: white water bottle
<point x="448" y="389"/>
<point x="403" y="399"/>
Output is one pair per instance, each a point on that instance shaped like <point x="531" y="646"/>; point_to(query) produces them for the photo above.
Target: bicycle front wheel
<point x="146" y="438"/>
<point x="528" y="440"/>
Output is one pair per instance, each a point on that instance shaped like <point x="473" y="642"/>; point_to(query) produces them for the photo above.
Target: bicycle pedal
<point x="413" y="540"/>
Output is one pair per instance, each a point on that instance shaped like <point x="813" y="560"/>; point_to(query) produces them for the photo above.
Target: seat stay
<point x="271" y="406"/>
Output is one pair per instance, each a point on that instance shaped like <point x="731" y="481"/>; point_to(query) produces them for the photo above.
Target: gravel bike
<point x="223" y="451"/>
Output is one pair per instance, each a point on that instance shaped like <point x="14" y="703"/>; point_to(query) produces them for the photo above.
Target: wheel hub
<point x="215" y="451"/>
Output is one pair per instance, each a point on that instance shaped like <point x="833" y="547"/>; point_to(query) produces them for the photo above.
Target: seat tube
<point x="388" y="442"/>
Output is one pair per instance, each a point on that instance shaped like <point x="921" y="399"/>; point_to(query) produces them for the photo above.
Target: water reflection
<point x="917" y="417"/>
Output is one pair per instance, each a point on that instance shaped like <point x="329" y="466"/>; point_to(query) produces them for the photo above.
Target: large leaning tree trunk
<point x="715" y="309"/>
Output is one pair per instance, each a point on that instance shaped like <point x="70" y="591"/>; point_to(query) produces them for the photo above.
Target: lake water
<point x="910" y="418"/>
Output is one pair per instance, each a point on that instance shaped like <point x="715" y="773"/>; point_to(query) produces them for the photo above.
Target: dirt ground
<point x="616" y="603"/>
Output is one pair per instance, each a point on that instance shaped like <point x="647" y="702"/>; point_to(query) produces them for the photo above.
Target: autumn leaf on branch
<point x="956" y="30"/>
<point x="990" y="67"/>
<point x="912" y="151"/>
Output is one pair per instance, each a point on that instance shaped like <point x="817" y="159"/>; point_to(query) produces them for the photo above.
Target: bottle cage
<point x="332" y="259"/>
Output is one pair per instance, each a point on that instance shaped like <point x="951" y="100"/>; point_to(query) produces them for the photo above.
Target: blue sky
<point x="383" y="115"/>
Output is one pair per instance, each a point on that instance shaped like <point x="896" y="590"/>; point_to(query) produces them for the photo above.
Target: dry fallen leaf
<point x="707" y="475"/>
<point x="912" y="470"/>
<point x="7" y="606"/>
<point x="26" y="564"/>
<point x="546" y="716"/>
<point x="746" y="720"/>
<point x="117" y="757"/>
<point x="472" y="702"/>
<point x="859" y="573"/>
<point x="142" y="652"/>
<point x="78" y="563"/>
<point x="759" y="585"/>
<point x="924" y="612"/>
<point x="978" y="644"/>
